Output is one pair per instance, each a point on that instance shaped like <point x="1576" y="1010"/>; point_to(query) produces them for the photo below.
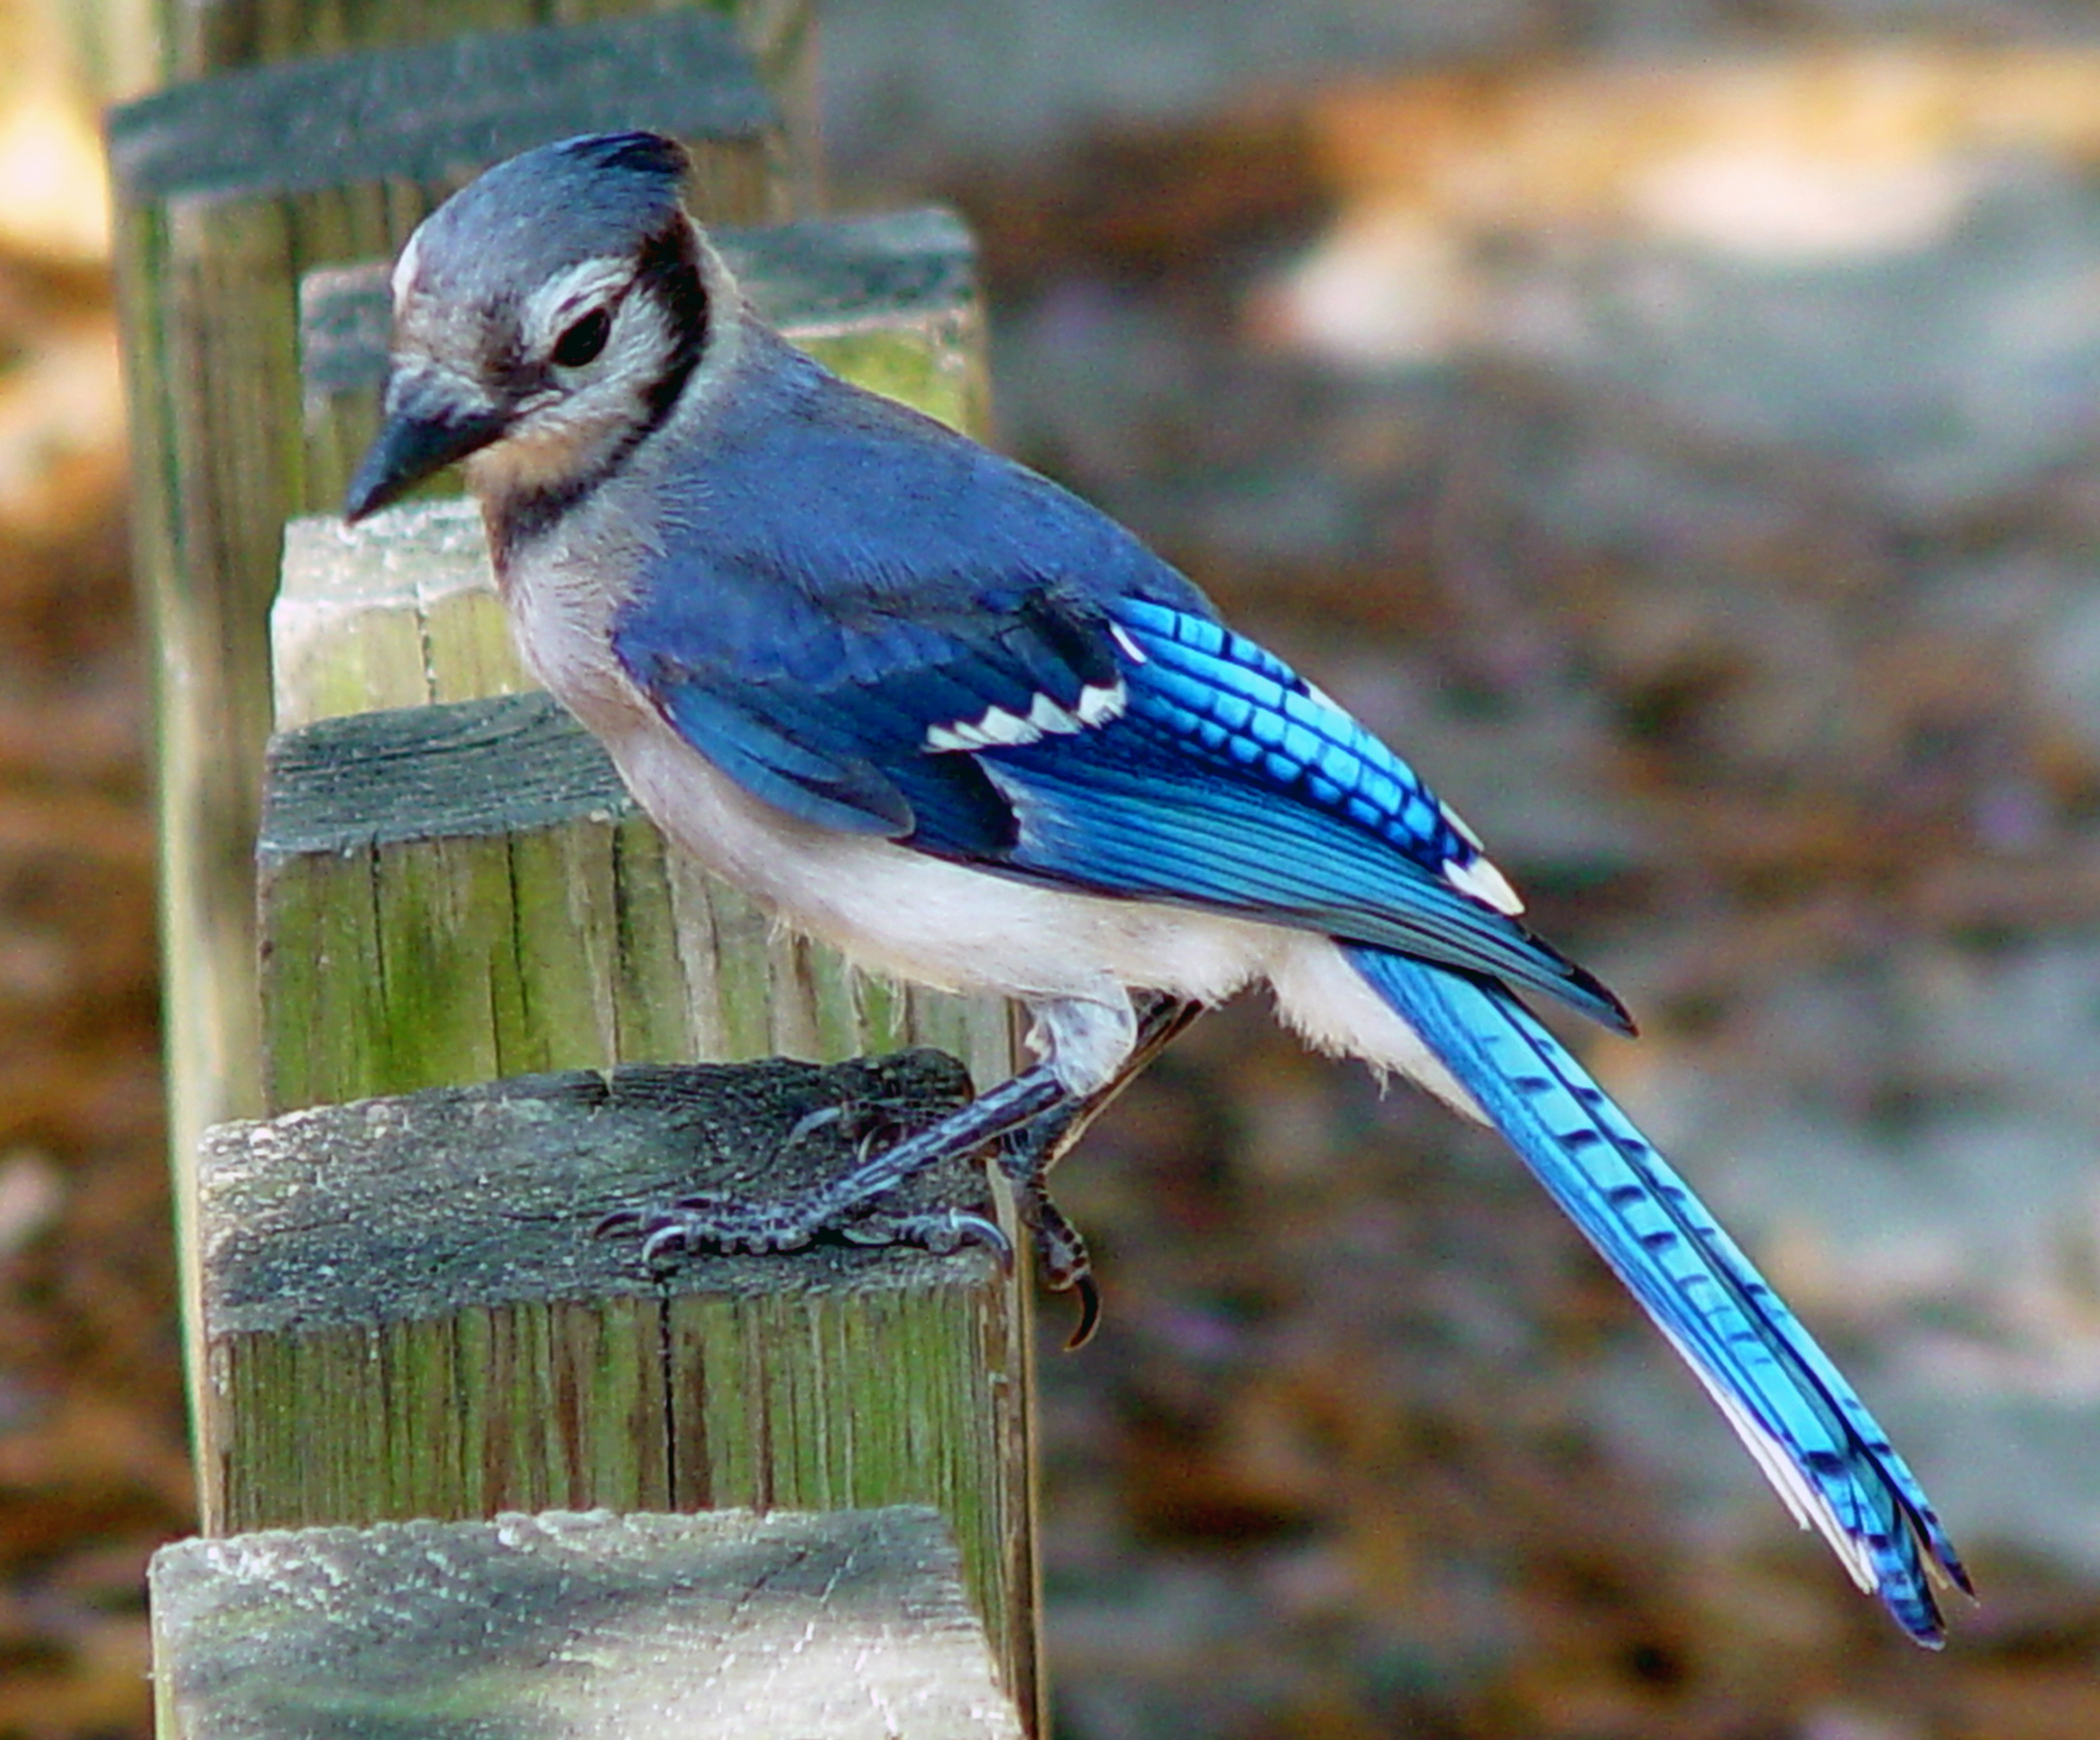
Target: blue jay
<point x="939" y="712"/>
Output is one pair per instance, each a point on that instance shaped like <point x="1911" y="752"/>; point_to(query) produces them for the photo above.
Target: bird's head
<point x="545" y="319"/>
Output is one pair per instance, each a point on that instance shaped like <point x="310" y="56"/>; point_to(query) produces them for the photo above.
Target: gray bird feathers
<point x="577" y="200"/>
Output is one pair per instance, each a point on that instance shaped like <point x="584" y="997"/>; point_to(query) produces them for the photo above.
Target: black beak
<point x="422" y="433"/>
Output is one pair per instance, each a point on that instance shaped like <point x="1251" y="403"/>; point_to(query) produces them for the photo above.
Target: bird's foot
<point x="874" y="1125"/>
<point x="858" y="1203"/>
<point x="709" y="1221"/>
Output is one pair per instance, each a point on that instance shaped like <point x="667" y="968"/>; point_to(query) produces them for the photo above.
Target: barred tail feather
<point x="1807" y="1430"/>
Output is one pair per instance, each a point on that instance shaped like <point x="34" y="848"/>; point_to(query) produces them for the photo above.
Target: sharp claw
<point x="941" y="1235"/>
<point x="810" y="1122"/>
<point x="621" y="1220"/>
<point x="664" y="1242"/>
<point x="1089" y="1313"/>
<point x="986" y="1232"/>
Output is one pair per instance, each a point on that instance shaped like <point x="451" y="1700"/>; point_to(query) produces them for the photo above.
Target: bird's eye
<point x="584" y="339"/>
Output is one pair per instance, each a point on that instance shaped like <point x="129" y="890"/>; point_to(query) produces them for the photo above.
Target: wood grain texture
<point x="406" y="1312"/>
<point x="568" y="1626"/>
<point x="199" y="38"/>
<point x="227" y="192"/>
<point x="456" y="893"/>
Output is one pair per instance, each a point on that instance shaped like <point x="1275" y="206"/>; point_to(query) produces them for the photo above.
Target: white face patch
<point x="404" y="269"/>
<point x="549" y="309"/>
<point x="565" y="429"/>
<point x="1097" y="705"/>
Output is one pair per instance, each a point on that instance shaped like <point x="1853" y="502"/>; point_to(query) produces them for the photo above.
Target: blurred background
<point x="1677" y="427"/>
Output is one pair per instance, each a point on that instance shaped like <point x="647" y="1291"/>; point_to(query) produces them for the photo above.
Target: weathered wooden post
<point x="406" y="1314"/>
<point x="461" y="889"/>
<point x="227" y="192"/>
<point x="396" y="1306"/>
<point x="568" y="1627"/>
<point x="200" y="38"/>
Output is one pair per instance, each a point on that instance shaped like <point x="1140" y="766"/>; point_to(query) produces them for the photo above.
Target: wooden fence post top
<point x="405" y="1313"/>
<point x="502" y="764"/>
<point x="435" y="111"/>
<point x="458" y="1199"/>
<point x="586" y="1626"/>
<point x="454" y="892"/>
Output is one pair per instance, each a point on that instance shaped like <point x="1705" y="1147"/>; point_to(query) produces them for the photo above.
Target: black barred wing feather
<point x="1224" y="779"/>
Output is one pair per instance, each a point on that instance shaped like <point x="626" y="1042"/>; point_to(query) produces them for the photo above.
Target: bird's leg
<point x="714" y="1222"/>
<point x="1025" y="1156"/>
<point x="1031" y="1117"/>
<point x="871" y="1124"/>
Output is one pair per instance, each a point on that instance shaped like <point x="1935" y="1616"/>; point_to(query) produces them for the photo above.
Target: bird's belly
<point x="907" y="915"/>
<point x="903" y="913"/>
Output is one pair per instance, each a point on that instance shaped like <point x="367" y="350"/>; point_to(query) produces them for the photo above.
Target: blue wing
<point x="1228" y="781"/>
<point x="831" y="723"/>
<point x="928" y="642"/>
<point x="1806" y="1429"/>
<point x="1132" y="747"/>
<point x="808" y="640"/>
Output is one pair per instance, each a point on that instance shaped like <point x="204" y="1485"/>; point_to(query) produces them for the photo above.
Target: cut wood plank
<point x="569" y="1626"/>
<point x="199" y="38"/>
<point x="456" y="893"/>
<point x="406" y="1312"/>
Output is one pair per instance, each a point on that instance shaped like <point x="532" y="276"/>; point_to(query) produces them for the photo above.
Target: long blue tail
<point x="1813" y="1437"/>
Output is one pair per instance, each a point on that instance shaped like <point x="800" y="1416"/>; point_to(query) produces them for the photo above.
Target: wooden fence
<point x="439" y="996"/>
